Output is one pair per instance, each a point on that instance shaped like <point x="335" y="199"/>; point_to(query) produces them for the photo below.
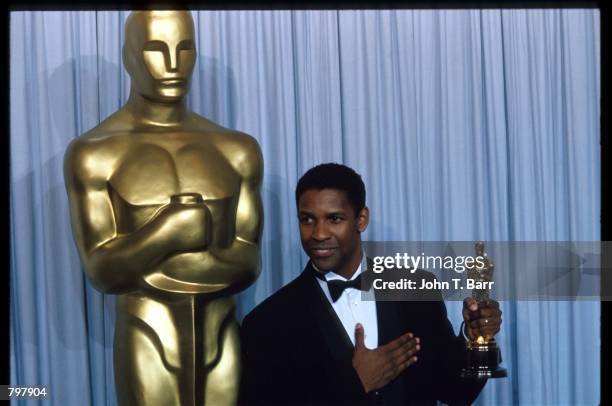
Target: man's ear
<point x="363" y="219"/>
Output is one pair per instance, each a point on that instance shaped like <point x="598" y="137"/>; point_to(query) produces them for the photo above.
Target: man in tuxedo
<point x="315" y="341"/>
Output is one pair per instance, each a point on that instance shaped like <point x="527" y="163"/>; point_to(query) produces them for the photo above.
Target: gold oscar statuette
<point x="483" y="354"/>
<point x="166" y="213"/>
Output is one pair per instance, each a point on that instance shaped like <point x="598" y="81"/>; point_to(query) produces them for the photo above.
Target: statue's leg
<point x="224" y="378"/>
<point x="141" y="376"/>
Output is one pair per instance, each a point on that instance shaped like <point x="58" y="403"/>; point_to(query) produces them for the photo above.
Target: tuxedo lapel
<point x="388" y="317"/>
<point x="325" y="319"/>
<point x="389" y="322"/>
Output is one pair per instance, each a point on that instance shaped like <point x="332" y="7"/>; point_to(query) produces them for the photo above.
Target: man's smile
<point x="323" y="252"/>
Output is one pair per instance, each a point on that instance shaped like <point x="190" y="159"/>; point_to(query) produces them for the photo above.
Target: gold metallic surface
<point x="481" y="274"/>
<point x="166" y="213"/>
<point x="483" y="353"/>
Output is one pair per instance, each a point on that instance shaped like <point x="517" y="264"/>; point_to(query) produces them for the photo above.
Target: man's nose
<point x="320" y="231"/>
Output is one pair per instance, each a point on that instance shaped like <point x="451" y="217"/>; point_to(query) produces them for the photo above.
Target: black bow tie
<point x="336" y="287"/>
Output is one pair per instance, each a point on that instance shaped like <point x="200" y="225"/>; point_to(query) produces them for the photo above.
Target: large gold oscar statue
<point x="166" y="213"/>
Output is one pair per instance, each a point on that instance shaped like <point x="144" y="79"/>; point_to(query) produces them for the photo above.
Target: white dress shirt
<point x="351" y="309"/>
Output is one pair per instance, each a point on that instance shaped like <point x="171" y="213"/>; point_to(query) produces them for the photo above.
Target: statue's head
<point x="159" y="53"/>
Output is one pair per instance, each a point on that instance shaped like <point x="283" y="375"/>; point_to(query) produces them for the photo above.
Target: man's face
<point x="330" y="230"/>
<point x="160" y="54"/>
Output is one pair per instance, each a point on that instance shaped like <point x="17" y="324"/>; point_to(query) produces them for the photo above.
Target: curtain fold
<point x="465" y="125"/>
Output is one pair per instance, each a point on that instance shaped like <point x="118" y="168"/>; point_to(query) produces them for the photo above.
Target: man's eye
<point x="335" y="219"/>
<point x="305" y="220"/>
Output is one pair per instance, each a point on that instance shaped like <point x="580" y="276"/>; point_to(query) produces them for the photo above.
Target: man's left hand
<point x="481" y="318"/>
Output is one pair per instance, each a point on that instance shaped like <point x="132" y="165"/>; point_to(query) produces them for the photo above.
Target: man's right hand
<point x="188" y="225"/>
<point x="378" y="367"/>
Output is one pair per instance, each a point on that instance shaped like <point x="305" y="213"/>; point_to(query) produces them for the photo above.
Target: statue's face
<point x="159" y="53"/>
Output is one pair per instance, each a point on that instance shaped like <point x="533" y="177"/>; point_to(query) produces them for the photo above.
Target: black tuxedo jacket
<point x="296" y="352"/>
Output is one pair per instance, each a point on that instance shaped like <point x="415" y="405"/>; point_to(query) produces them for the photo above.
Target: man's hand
<point x="378" y="367"/>
<point x="481" y="318"/>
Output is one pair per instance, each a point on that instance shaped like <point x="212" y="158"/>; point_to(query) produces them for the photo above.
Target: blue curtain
<point x="464" y="124"/>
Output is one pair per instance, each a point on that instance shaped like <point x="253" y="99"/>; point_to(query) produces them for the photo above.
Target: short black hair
<point x="333" y="176"/>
